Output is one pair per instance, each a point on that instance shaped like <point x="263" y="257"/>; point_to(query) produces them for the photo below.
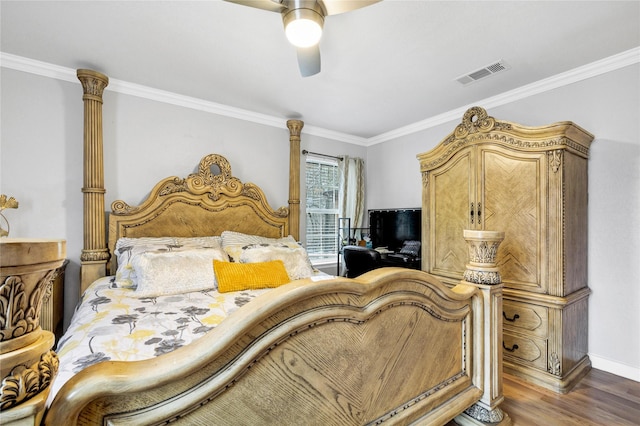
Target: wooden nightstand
<point x="52" y="315"/>
<point x="27" y="363"/>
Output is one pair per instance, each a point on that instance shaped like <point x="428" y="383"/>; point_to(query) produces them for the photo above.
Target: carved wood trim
<point x="204" y="203"/>
<point x="20" y="305"/>
<point x="555" y="159"/>
<point x="477" y="127"/>
<point x="25" y="382"/>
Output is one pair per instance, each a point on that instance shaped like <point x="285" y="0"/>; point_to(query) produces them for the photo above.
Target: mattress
<point x="112" y="324"/>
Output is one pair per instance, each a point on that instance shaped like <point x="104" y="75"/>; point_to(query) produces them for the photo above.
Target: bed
<point x="393" y="346"/>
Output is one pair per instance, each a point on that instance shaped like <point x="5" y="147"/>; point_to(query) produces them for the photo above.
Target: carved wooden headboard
<point x="205" y="203"/>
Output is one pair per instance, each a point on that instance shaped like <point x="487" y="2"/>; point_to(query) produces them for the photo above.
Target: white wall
<point x="609" y="107"/>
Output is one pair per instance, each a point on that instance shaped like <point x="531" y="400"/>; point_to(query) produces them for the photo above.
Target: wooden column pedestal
<point x="482" y="272"/>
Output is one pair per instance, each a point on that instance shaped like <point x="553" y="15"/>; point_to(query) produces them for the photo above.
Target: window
<point x="322" y="183"/>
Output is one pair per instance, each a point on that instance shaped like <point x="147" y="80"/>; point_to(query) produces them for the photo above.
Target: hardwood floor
<point x="600" y="398"/>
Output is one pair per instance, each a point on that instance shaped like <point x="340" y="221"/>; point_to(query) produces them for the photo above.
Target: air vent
<point x="476" y="75"/>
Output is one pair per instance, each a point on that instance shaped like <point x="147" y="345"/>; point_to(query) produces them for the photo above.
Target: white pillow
<point x="165" y="273"/>
<point x="127" y="249"/>
<point x="233" y="242"/>
<point x="296" y="261"/>
<point x="199" y="242"/>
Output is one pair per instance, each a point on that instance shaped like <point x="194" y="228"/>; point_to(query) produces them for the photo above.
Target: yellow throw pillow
<point x="233" y="276"/>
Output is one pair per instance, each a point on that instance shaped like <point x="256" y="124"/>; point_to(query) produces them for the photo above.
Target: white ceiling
<point x="384" y="67"/>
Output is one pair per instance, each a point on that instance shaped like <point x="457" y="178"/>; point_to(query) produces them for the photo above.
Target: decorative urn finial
<point x="6" y="203"/>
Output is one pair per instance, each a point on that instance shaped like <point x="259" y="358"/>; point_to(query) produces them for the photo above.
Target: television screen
<point x="390" y="228"/>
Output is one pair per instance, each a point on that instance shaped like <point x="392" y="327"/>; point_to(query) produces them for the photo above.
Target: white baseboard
<point x="617" y="368"/>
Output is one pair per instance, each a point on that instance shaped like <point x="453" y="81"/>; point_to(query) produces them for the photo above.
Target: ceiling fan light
<point x="303" y="27"/>
<point x="303" y="33"/>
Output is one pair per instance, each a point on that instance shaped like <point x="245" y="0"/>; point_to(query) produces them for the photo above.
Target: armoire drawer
<point x="525" y="350"/>
<point x="525" y="318"/>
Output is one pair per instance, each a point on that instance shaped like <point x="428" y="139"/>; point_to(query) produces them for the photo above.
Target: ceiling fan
<point x="303" y="21"/>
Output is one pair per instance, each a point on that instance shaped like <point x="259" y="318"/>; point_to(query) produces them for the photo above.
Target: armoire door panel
<point x="510" y="186"/>
<point x="449" y="214"/>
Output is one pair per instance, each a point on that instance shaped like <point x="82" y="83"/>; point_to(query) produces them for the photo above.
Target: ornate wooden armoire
<point x="531" y="183"/>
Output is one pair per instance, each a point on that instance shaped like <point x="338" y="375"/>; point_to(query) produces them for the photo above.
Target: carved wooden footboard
<point x="392" y="346"/>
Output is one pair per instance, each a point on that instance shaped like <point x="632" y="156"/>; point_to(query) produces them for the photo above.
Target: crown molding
<point x="45" y="69"/>
<point x="57" y="72"/>
<point x="172" y="98"/>
<point x="593" y="69"/>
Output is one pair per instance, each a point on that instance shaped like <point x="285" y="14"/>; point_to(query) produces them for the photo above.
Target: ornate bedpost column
<point x="481" y="272"/>
<point x="295" y="128"/>
<point x="94" y="254"/>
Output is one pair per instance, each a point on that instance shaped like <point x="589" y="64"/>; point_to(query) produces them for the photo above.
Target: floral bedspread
<point x="111" y="324"/>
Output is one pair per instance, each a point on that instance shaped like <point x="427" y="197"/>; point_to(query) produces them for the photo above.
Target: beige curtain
<point x="351" y="202"/>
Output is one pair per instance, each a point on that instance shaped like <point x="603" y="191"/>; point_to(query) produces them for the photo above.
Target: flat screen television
<point x="390" y="228"/>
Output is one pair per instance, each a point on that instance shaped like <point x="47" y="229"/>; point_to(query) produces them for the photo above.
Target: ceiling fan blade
<point x="309" y="60"/>
<point x="270" y="5"/>
<point x="334" y="7"/>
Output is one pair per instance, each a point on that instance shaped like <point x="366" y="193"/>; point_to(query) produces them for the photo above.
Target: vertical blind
<point x="322" y="184"/>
